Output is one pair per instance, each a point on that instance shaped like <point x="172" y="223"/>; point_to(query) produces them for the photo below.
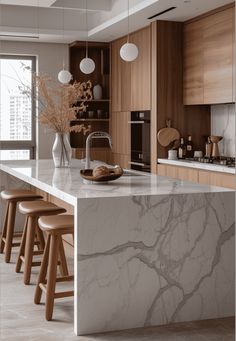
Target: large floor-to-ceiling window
<point x="17" y="108"/>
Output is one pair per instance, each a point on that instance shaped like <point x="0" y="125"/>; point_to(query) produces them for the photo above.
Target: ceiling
<point x="65" y="20"/>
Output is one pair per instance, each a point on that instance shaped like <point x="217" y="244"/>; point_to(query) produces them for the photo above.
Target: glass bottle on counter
<point x="182" y="149"/>
<point x="189" y="147"/>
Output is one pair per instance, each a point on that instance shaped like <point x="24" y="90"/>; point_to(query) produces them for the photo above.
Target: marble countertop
<point x="198" y="165"/>
<point x="67" y="184"/>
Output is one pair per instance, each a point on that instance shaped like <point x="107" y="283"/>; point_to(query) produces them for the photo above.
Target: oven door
<point x="140" y="144"/>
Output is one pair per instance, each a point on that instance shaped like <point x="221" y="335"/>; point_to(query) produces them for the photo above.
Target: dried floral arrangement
<point x="58" y="103"/>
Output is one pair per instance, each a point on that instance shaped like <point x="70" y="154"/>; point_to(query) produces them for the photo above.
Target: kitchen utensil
<point x="115" y="173"/>
<point x="167" y="135"/>
<point x="215" y="148"/>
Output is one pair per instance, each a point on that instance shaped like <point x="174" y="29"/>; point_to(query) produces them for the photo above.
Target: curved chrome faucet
<point x="95" y="135"/>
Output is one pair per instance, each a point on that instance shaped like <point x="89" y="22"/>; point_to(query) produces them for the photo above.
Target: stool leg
<point x="52" y="274"/>
<point x="29" y="248"/>
<point x="42" y="272"/>
<point x="22" y="247"/>
<point x="40" y="238"/>
<point x="4" y="231"/>
<point x="10" y="230"/>
<point x="63" y="265"/>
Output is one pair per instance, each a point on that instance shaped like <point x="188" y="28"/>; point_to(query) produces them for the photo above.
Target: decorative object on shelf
<point x="128" y="51"/>
<point x="97" y="92"/>
<point x="64" y="76"/>
<point x="90" y="114"/>
<point x="102" y="173"/>
<point x="100" y="113"/>
<point x="87" y="64"/>
<point x="167" y="135"/>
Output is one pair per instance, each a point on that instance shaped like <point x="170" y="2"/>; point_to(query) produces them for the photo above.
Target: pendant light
<point x="64" y="76"/>
<point x="128" y="51"/>
<point x="87" y="65"/>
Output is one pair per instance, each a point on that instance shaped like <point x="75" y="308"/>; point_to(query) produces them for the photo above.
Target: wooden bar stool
<point x="54" y="227"/>
<point x="12" y="197"/>
<point x="33" y="210"/>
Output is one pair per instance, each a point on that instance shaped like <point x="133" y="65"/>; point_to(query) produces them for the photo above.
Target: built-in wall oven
<point x="140" y="141"/>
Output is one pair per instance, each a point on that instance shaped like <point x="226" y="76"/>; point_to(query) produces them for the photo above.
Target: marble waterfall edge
<point x="152" y="260"/>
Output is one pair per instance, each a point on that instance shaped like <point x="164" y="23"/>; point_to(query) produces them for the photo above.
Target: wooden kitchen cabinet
<point x="141" y="71"/>
<point x="130" y="82"/>
<point x="183" y="173"/>
<point x="193" y="63"/>
<point x="197" y="175"/>
<point x="120" y="131"/>
<point x="216" y="179"/>
<point x="208" y="58"/>
<point x="218" y="57"/>
<point x="120" y="79"/>
<point x="101" y="154"/>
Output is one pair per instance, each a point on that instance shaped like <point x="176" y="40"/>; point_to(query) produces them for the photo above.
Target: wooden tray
<point x="88" y="175"/>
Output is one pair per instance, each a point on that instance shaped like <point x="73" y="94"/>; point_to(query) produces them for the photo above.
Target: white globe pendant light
<point x="64" y="76"/>
<point x="87" y="64"/>
<point x="128" y="51"/>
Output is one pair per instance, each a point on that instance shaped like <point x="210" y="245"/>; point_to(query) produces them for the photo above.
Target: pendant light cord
<point x="86" y="23"/>
<point x="63" y="32"/>
<point x="128" y="24"/>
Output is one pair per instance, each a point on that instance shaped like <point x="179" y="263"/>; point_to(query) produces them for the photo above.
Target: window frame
<point x="23" y="144"/>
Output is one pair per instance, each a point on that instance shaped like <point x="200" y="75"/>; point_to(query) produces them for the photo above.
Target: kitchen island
<point x="149" y="250"/>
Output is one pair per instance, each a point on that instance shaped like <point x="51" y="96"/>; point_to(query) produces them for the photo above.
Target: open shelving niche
<point x="100" y="53"/>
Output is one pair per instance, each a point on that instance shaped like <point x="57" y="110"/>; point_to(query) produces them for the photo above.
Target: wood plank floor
<point x="22" y="320"/>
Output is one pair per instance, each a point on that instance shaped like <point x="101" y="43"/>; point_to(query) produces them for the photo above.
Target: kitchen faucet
<point x="95" y="135"/>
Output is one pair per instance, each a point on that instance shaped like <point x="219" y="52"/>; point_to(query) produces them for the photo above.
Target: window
<point x="17" y="110"/>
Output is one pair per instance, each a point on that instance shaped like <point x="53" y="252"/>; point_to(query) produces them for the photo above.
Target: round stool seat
<point x="39" y="207"/>
<point x="62" y="224"/>
<point x="19" y="194"/>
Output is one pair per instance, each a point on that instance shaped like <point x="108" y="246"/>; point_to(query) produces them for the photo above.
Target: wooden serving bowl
<point x="115" y="173"/>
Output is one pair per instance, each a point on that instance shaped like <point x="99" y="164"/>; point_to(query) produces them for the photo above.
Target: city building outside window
<point x="17" y="110"/>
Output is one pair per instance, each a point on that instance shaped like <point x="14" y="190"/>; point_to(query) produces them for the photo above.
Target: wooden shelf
<point x="92" y="119"/>
<point x="96" y="100"/>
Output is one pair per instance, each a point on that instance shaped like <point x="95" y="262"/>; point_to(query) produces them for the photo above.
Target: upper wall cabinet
<point x="141" y="71"/>
<point x="130" y="82"/>
<point x="208" y="59"/>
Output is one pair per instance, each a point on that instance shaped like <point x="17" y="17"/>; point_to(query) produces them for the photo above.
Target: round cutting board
<point x="167" y="135"/>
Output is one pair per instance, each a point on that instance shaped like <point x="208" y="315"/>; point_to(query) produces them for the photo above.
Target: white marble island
<point x="150" y="250"/>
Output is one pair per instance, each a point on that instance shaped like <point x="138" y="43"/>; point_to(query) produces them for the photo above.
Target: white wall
<point x="223" y="124"/>
<point x="49" y="61"/>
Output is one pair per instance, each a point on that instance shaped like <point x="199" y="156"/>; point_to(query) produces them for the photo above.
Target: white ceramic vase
<point x="61" y="151"/>
<point x="97" y="92"/>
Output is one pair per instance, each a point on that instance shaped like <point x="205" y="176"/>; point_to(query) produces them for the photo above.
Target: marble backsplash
<point x="223" y="124"/>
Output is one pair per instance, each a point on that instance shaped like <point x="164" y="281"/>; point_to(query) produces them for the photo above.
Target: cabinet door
<point x="218" y="57"/>
<point x="217" y="179"/>
<point x="115" y="76"/>
<point x="193" y="63"/>
<point x="120" y="132"/>
<point x="141" y="71"/>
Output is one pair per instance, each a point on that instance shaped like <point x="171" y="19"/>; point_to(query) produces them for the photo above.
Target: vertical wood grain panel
<point x="141" y="71"/>
<point x="193" y="63"/>
<point x="218" y="57"/>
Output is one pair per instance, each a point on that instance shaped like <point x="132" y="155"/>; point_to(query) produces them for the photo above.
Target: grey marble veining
<point x="153" y="260"/>
<point x="223" y="124"/>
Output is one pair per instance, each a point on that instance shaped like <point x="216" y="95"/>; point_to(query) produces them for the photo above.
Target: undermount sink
<point x="128" y="173"/>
